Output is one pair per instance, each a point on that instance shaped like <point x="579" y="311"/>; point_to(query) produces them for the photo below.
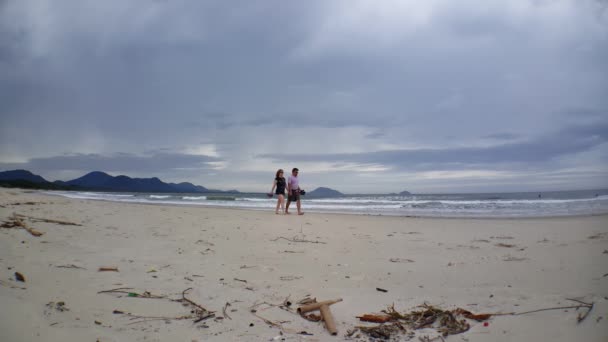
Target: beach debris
<point x="26" y="203"/>
<point x="581" y="316"/>
<point x="504" y="237"/>
<point x="400" y="260"/>
<point x="198" y="313"/>
<point x="512" y="258"/>
<point x="382" y="332"/>
<point x="255" y="308"/>
<point x="375" y="318"/>
<point x="65" y="223"/>
<point x="326" y="315"/>
<point x="307" y="300"/>
<point x="19" y="277"/>
<point x="241" y="280"/>
<point x="56" y="306"/>
<point x="108" y="269"/>
<point x="506" y="245"/>
<point x="224" y="311"/>
<point x="17" y="222"/>
<point x="298" y="239"/>
<point x="145" y="294"/>
<point x="446" y="322"/>
<point x="381" y="290"/>
<point x="70" y="266"/>
<point x="597" y="236"/>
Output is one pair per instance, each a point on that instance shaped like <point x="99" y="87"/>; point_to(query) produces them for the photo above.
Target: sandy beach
<point x="242" y="265"/>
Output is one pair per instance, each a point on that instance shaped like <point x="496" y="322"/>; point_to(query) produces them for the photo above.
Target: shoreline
<point x="245" y="257"/>
<point x="322" y="212"/>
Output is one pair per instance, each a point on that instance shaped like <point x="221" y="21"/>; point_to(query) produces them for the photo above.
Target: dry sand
<point x="245" y="258"/>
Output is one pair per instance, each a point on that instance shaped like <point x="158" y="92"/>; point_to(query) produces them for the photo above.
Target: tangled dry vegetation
<point x="446" y="322"/>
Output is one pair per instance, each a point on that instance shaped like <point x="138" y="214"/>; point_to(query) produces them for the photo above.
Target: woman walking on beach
<point x="279" y="184"/>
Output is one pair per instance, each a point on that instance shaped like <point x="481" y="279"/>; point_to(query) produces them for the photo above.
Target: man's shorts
<point x="294" y="196"/>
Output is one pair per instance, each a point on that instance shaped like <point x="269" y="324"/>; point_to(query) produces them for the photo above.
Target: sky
<point x="427" y="96"/>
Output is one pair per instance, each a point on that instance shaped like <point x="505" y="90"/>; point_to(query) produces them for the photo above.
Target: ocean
<point x="482" y="205"/>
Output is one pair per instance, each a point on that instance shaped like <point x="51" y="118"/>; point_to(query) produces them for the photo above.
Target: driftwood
<point x="297" y="239"/>
<point x="16" y="221"/>
<point x="108" y="269"/>
<point x="323" y="307"/>
<point x="66" y="223"/>
<point x="70" y="266"/>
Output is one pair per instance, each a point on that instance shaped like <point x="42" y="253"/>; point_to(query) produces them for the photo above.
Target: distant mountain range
<point x="101" y="181"/>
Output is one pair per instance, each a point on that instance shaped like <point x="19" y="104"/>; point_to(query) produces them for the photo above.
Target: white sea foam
<point x="159" y="196"/>
<point x="423" y="205"/>
<point x="194" y="198"/>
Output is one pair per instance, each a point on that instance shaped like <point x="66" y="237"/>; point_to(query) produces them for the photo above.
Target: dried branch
<point x="70" y="266"/>
<point x="297" y="239"/>
<point x="224" y="311"/>
<point x="65" y="223"/>
<point x="580" y="318"/>
<point x="15" y="221"/>
<point x="145" y="294"/>
<point x="116" y="290"/>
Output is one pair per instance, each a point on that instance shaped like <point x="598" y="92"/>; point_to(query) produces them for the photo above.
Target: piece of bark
<point x="375" y="318"/>
<point x="108" y="269"/>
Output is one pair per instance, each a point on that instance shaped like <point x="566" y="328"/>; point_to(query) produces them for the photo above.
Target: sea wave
<point x="194" y="198"/>
<point x="160" y="196"/>
<point x="423" y="205"/>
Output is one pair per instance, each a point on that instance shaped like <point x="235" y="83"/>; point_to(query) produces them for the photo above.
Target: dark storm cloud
<point x="521" y="155"/>
<point x="501" y="136"/>
<point x="159" y="162"/>
<point x="91" y="78"/>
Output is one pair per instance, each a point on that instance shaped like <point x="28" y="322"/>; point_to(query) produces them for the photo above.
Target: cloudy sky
<point x="362" y="96"/>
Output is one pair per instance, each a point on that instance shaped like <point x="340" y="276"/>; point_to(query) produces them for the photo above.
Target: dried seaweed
<point x="446" y="322"/>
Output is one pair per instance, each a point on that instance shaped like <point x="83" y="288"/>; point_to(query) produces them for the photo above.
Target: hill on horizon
<point x="98" y="180"/>
<point x="324" y="192"/>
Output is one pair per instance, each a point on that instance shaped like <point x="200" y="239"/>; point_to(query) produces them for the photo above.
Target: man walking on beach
<point x="293" y="191"/>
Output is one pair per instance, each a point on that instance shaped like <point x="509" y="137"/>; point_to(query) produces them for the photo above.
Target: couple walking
<point x="293" y="190"/>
